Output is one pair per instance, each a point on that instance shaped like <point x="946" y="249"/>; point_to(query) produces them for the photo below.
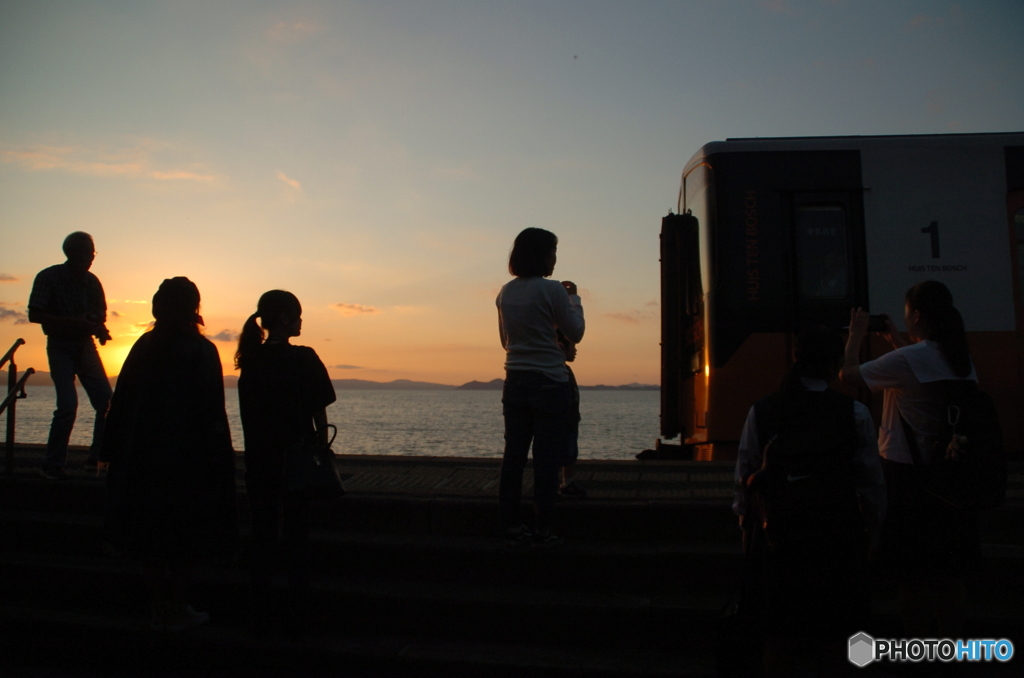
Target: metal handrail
<point x="10" y="353"/>
<point x="18" y="391"/>
<point x="15" y="390"/>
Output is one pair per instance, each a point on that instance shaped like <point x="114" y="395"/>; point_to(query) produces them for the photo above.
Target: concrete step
<point x="87" y="643"/>
<point x="635" y="521"/>
<point x="633" y="567"/>
<point x="361" y="604"/>
<point x="607" y="520"/>
<point x="366" y="616"/>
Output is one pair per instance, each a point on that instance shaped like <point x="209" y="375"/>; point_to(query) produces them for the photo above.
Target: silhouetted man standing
<point x="68" y="301"/>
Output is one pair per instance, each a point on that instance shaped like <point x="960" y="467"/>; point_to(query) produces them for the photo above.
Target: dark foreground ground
<point x="410" y="579"/>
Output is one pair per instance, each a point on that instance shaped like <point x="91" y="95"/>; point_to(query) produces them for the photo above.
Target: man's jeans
<point x="536" y="409"/>
<point x="68" y="358"/>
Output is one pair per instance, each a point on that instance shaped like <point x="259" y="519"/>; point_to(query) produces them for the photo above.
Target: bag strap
<point x="908" y="433"/>
<point x="333" y="435"/>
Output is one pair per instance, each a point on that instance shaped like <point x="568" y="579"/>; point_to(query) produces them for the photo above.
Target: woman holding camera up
<point x="927" y="544"/>
<point x="283" y="394"/>
<point x="536" y="395"/>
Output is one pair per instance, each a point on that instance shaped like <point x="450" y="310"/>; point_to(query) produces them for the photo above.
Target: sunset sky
<point x="378" y="157"/>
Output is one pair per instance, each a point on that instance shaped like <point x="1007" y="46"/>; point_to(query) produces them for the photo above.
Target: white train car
<point x="773" y="234"/>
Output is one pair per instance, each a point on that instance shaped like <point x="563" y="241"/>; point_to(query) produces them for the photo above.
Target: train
<point x="773" y="234"/>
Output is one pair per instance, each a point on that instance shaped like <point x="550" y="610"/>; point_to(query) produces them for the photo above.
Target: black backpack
<point x="806" y="479"/>
<point x="965" y="465"/>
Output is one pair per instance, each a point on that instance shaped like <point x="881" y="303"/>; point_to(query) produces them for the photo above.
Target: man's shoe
<point x="185" y="619"/>
<point x="518" y="536"/>
<point x="572" y="490"/>
<point x="546" y="539"/>
<point x="53" y="472"/>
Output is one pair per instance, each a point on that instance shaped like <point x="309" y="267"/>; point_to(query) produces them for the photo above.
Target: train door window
<point x="822" y="258"/>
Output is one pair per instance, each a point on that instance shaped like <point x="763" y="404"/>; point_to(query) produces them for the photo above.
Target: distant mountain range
<point x="497" y="384"/>
<point x="231" y="381"/>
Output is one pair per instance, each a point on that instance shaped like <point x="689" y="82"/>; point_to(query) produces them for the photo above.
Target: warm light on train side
<point x="771" y="235"/>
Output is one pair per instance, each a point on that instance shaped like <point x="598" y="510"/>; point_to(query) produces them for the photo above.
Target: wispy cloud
<point x="634" y="316"/>
<point x="955" y="16"/>
<point x="224" y="335"/>
<point x="8" y="313"/>
<point x="347" y="367"/>
<point x="291" y="32"/>
<point x="288" y="180"/>
<point x="7" y="278"/>
<point x="777" y="6"/>
<point x="355" y="309"/>
<point x="115" y="314"/>
<point x="137" y="159"/>
<point x="919" y="20"/>
<point x="126" y="301"/>
<point x="937" y="100"/>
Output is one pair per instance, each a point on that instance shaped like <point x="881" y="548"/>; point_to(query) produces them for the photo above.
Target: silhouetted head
<point x="80" y="251"/>
<point x="278" y="311"/>
<point x="818" y="353"/>
<point x="533" y="253"/>
<point x="176" y="306"/>
<point x="929" y="313"/>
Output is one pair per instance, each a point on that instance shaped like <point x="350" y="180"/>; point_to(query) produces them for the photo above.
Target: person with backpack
<point x="810" y="496"/>
<point x="928" y="543"/>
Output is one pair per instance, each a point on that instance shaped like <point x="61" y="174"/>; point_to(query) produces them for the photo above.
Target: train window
<point x="822" y="261"/>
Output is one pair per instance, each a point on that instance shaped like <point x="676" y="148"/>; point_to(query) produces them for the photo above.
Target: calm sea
<point x="616" y="424"/>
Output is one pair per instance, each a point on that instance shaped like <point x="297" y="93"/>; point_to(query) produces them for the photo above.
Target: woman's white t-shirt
<point x="529" y="312"/>
<point x="901" y="374"/>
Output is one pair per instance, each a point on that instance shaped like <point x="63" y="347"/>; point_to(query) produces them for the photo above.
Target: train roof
<point x="845" y="143"/>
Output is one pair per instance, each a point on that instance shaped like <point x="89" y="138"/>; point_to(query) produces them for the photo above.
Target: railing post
<point x="12" y="383"/>
<point x="11" y="401"/>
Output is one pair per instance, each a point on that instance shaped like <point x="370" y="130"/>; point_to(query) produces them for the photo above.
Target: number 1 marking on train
<point x="933" y="229"/>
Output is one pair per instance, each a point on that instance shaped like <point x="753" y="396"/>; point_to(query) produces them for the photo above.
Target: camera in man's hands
<point x="100" y="330"/>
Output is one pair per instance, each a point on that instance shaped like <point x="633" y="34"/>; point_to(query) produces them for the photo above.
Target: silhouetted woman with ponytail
<point x="283" y="393"/>
<point x="927" y="544"/>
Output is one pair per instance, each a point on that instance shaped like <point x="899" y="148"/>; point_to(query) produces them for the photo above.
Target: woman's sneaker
<point x="572" y="490"/>
<point x="545" y="539"/>
<point x="519" y="536"/>
<point x="185" y="619"/>
<point x="51" y="472"/>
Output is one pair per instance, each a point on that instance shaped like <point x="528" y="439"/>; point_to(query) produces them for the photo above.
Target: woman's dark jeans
<point x="536" y="409"/>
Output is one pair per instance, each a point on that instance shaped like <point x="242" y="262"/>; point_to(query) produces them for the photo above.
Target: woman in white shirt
<point x="928" y="545"/>
<point x="536" y="395"/>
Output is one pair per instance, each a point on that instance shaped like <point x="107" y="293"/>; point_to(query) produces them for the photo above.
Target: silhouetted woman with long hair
<point x="171" y="484"/>
<point x="536" y="396"/>
<point x="928" y="546"/>
<point x="283" y="393"/>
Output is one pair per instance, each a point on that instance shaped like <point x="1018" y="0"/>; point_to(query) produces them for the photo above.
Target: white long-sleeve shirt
<point x="869" y="481"/>
<point x="530" y="310"/>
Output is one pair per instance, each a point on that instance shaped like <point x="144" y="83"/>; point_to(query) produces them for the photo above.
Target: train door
<point x="1013" y="427"/>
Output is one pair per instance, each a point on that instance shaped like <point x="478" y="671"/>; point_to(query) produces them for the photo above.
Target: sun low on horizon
<point x="378" y="158"/>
